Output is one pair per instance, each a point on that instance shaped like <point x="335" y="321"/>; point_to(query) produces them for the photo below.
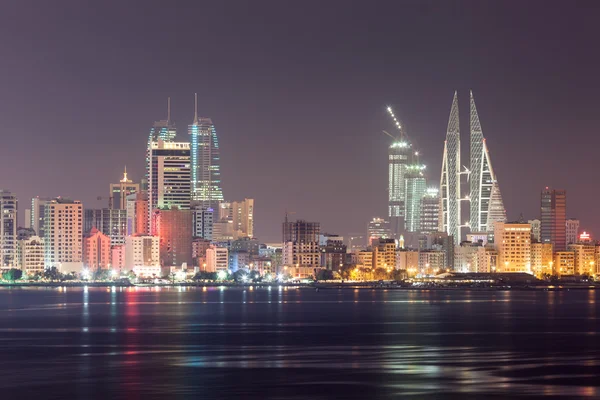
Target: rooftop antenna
<point x="168" y="109"/>
<point x="195" y="109"/>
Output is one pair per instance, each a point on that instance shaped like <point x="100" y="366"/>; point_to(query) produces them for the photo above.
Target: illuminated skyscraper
<point x="163" y="129"/>
<point x="120" y="191"/>
<point x="554" y="218"/>
<point x="450" y="180"/>
<point x="378" y="228"/>
<point x="205" y="159"/>
<point x="482" y="180"/>
<point x="8" y="229"/>
<point x="415" y="187"/>
<point x="429" y="219"/>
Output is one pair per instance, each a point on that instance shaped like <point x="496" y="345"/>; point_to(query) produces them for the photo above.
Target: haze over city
<point x="298" y="92"/>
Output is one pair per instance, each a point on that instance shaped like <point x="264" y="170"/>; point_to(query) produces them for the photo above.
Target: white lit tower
<point x="450" y="194"/>
<point x="486" y="206"/>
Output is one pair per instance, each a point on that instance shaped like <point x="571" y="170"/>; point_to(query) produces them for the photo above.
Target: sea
<point x="290" y="343"/>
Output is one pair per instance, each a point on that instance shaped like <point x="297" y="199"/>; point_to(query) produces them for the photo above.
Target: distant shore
<point x="315" y="285"/>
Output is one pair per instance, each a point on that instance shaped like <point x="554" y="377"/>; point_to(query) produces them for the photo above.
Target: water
<point x="296" y="343"/>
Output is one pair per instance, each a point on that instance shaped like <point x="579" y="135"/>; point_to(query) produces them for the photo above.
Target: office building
<point x="414" y="189"/>
<point x="120" y="191"/>
<point x="378" y="228"/>
<point x="30" y="255"/>
<point x="63" y="229"/>
<point x="8" y="229"/>
<point x="142" y="255"/>
<point x="137" y="214"/>
<point x="554" y="218"/>
<point x="36" y="214"/>
<point x="217" y="259"/>
<point x="96" y="251"/>
<point x="242" y="217"/>
<point x="168" y="176"/>
<point x="450" y="192"/>
<point x="486" y="206"/>
<point x="174" y="229"/>
<point x="111" y="222"/>
<point x="571" y="230"/>
<point x="430" y="211"/>
<point x="206" y="190"/>
<point x="512" y="240"/>
<point x="202" y="222"/>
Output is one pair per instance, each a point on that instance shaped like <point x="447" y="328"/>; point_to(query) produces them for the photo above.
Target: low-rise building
<point x="31" y="255"/>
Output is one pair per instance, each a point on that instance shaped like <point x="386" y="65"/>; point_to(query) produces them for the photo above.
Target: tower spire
<point x="195" y="109"/>
<point x="168" y="111"/>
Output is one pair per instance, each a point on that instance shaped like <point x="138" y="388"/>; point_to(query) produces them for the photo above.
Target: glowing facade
<point x="450" y="180"/>
<point x="496" y="211"/>
<point x="205" y="160"/>
<point x="415" y="188"/>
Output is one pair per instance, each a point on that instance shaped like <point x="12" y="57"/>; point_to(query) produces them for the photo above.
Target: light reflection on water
<point x="297" y="343"/>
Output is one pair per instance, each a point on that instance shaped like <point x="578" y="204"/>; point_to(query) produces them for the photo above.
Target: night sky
<point x="298" y="91"/>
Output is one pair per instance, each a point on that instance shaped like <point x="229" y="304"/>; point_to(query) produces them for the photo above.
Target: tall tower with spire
<point x="205" y="168"/>
<point x="485" y="199"/>
<point x="450" y="180"/>
<point x="120" y="191"/>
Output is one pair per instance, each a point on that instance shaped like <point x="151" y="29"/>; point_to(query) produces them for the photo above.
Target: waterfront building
<point x="536" y="230"/>
<point x="585" y="257"/>
<point x="512" y="240"/>
<point x="554" y="218"/>
<point x="142" y="255"/>
<point x="333" y="252"/>
<point x="440" y="241"/>
<point x="245" y="244"/>
<point x="111" y="222"/>
<point x="202" y="222"/>
<point x="564" y="263"/>
<point x="571" y="230"/>
<point x="407" y="260"/>
<point x="378" y="228"/>
<point x="384" y="253"/>
<point x="37" y="212"/>
<point x="364" y="259"/>
<point x="206" y="190"/>
<point x="96" y="250"/>
<point x="63" y="230"/>
<point x="431" y="262"/>
<point x="414" y="189"/>
<point x="174" y="229"/>
<point x="8" y="229"/>
<point x="242" y="217"/>
<point x="466" y="257"/>
<point x="301" y="244"/>
<point x="199" y="247"/>
<point x="120" y="191"/>
<point x="496" y="212"/>
<point x="31" y="255"/>
<point x="137" y="214"/>
<point x="239" y="260"/>
<point x="429" y="211"/>
<point x="217" y="259"/>
<point x="117" y="257"/>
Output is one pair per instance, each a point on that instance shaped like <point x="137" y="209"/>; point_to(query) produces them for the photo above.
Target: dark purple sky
<point x="297" y="91"/>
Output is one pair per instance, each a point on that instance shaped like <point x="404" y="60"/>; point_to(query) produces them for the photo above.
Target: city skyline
<point x="265" y="104"/>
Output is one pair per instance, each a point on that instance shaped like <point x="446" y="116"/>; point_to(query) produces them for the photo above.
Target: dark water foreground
<point x="142" y="343"/>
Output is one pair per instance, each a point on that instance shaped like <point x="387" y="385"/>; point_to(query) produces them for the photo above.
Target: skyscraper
<point x="450" y="180"/>
<point x="63" y="228"/>
<point x="554" y="218"/>
<point x="8" y="229"/>
<point x="205" y="160"/>
<point x="415" y="187"/>
<point x="430" y="204"/>
<point x="120" y="191"/>
<point x="399" y="155"/>
<point x="572" y="230"/>
<point x="111" y="222"/>
<point x="482" y="180"/>
<point x="378" y="228"/>
<point x="163" y="129"/>
<point x="242" y="216"/>
<point x="174" y="228"/>
<point x="37" y="214"/>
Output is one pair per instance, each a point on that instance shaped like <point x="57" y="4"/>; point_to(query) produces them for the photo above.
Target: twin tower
<point x="484" y="200"/>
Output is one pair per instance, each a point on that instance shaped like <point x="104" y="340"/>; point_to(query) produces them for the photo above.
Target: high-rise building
<point x="164" y="129"/>
<point x="536" y="227"/>
<point x="450" y="193"/>
<point x="430" y="211"/>
<point x="399" y="156"/>
<point x="205" y="159"/>
<point x="242" y="216"/>
<point x="63" y="229"/>
<point x="301" y="245"/>
<point x="554" y="218"/>
<point x="485" y="199"/>
<point x="169" y="175"/>
<point x="301" y="231"/>
<point x="572" y="230"/>
<point x="8" y="229"/>
<point x="202" y="222"/>
<point x="174" y="228"/>
<point x="111" y="222"/>
<point x="137" y="214"/>
<point x="378" y="228"/>
<point x="414" y="189"/>
<point x="513" y="243"/>
<point x="120" y="191"/>
<point x="37" y="214"/>
<point x="96" y="250"/>
<point x="31" y="255"/>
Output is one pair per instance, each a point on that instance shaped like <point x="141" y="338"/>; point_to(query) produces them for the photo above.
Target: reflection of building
<point x="174" y="228"/>
<point x="571" y="230"/>
<point x="63" y="235"/>
<point x="120" y="191"/>
<point x="8" y="229"/>
<point x="554" y="218"/>
<point x="31" y="255"/>
<point x="378" y="228"/>
<point x="96" y="250"/>
<point x="513" y="243"/>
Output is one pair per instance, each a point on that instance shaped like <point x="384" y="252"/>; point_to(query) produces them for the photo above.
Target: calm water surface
<point x="292" y="343"/>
